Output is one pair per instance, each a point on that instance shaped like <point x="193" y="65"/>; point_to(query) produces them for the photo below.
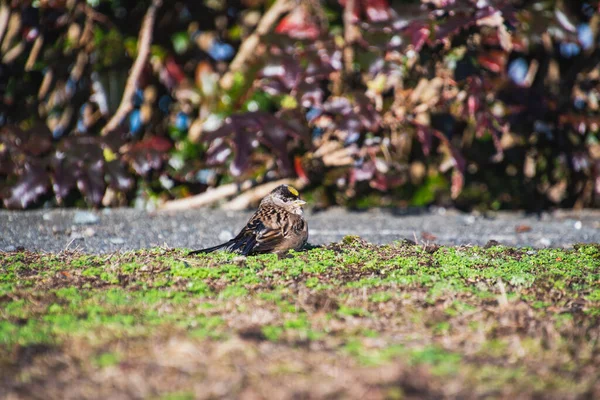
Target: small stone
<point x="10" y="248"/>
<point x="224" y="236"/>
<point x="469" y="219"/>
<point x="85" y="218"/>
<point x="545" y="242"/>
<point x="47" y="217"/>
<point x="578" y="225"/>
<point x="76" y="236"/>
<point x="89" y="232"/>
<point x="491" y="243"/>
<point x="117" y="240"/>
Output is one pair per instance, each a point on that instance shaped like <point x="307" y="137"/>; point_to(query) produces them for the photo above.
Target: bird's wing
<point x="263" y="233"/>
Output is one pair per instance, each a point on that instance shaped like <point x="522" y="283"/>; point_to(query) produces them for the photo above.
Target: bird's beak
<point x="299" y="202"/>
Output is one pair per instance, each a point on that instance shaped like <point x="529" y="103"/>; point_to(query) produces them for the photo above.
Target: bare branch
<point x="4" y="16"/>
<point x="248" y="48"/>
<point x="144" y="42"/>
<point x="202" y="200"/>
<point x="35" y="52"/>
<point x="14" y="27"/>
<point x="254" y="195"/>
<point x="350" y="35"/>
<point x="12" y="54"/>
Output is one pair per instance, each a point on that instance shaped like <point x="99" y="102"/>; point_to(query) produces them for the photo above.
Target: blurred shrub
<point x="490" y="104"/>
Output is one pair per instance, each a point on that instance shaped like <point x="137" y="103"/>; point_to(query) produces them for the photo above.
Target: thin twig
<point x="349" y="36"/>
<point x="46" y="82"/>
<point x="88" y="32"/>
<point x="248" y="48"/>
<point x="34" y="53"/>
<point x="96" y="16"/>
<point x="4" y="17"/>
<point x="14" y="27"/>
<point x="144" y="42"/>
<point x="12" y="54"/>
<point x="340" y="158"/>
<point x="79" y="67"/>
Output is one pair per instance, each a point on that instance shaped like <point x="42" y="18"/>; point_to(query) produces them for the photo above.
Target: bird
<point x="277" y="226"/>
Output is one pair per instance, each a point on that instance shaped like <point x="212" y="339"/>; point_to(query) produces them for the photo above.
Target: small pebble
<point x="76" y="236"/>
<point x="545" y="242"/>
<point x="47" y="217"/>
<point x="225" y="236"/>
<point x="578" y="225"/>
<point x="89" y="232"/>
<point x="117" y="240"/>
<point x="470" y="219"/>
<point x="85" y="218"/>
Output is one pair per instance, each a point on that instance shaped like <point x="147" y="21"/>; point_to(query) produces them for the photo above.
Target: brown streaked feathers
<point x="276" y="227"/>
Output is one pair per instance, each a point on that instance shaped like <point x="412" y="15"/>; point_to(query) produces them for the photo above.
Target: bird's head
<point x="287" y="197"/>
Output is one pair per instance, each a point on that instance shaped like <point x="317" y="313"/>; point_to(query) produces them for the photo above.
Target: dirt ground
<point x="348" y="320"/>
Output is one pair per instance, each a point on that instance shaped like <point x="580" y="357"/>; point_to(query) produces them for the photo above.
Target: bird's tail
<point x="211" y="249"/>
<point x="241" y="244"/>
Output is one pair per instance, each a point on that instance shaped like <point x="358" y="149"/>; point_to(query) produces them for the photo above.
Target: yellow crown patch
<point x="293" y="191"/>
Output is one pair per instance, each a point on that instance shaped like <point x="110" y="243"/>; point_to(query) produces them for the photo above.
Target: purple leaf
<point x="37" y="140"/>
<point x="63" y="176"/>
<point x="32" y="184"/>
<point x="148" y="155"/>
<point x="6" y="163"/>
<point x="419" y="32"/>
<point x="338" y="105"/>
<point x="364" y="172"/>
<point x="460" y="21"/>
<point x="117" y="175"/>
<point x="299" y="25"/>
<point x="241" y="130"/>
<point x="218" y="152"/>
<point x="90" y="182"/>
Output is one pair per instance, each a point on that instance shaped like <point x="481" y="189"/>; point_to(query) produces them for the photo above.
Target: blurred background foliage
<point x="472" y="103"/>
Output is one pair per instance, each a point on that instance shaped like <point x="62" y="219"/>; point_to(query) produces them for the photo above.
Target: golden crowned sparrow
<point x="276" y="227"/>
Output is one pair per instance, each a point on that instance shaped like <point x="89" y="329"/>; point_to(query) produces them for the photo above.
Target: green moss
<point x="104" y="360"/>
<point x="441" y="310"/>
<point x="178" y="396"/>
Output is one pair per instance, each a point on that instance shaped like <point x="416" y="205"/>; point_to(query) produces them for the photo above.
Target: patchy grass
<point x="347" y="320"/>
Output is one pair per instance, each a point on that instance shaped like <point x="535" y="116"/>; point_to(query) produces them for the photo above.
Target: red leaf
<point x="419" y="33"/>
<point x="155" y="143"/>
<point x="300" y="169"/>
<point x="494" y="61"/>
<point x="174" y="71"/>
<point x="298" y="25"/>
<point x="522" y="228"/>
<point x="374" y="10"/>
<point x="428" y="236"/>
